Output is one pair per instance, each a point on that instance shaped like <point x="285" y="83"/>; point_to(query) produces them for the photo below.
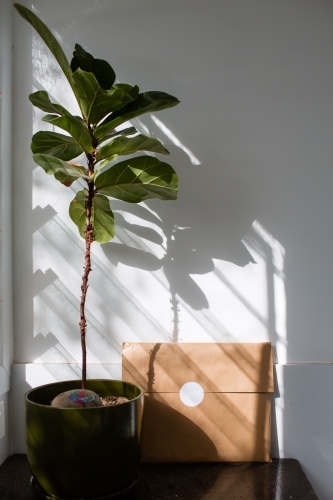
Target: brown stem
<point x="87" y="268"/>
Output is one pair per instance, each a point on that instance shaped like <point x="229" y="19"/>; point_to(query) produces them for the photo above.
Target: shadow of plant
<point x="188" y="250"/>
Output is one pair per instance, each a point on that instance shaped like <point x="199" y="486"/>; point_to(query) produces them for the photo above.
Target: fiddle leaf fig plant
<point x="104" y="105"/>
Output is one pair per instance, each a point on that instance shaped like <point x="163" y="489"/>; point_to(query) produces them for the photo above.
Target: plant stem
<point x="87" y="268"/>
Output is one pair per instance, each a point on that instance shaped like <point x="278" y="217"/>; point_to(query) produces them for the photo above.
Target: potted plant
<point x="92" y="451"/>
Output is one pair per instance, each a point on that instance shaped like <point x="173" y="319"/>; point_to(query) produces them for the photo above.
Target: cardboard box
<point x="203" y="402"/>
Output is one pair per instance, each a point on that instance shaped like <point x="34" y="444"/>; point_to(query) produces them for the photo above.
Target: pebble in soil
<point x="77" y="398"/>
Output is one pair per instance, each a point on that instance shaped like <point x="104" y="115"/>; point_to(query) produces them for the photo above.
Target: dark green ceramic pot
<point x="84" y="453"/>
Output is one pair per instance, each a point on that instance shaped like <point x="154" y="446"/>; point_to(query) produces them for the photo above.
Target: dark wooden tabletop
<point x="282" y="479"/>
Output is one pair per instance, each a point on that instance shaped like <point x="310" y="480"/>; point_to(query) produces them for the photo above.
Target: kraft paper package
<point x="203" y="402"/>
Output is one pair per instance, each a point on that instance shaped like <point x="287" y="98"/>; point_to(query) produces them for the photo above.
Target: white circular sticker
<point x="191" y="394"/>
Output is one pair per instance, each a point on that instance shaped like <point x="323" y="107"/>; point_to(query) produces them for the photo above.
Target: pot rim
<point x="26" y="395"/>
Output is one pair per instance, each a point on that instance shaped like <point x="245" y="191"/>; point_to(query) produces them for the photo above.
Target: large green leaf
<point x="51" y="43"/>
<point x="51" y="143"/>
<point x="139" y="179"/>
<point x="124" y="131"/>
<point x="76" y="127"/>
<point x="41" y="100"/>
<point x="96" y="103"/>
<point x="102" y="217"/>
<point x="146" y="102"/>
<point x="77" y="210"/>
<point x="87" y="90"/>
<point x="48" y="38"/>
<point x="129" y="145"/>
<point x="67" y="179"/>
<point x="102" y="70"/>
<point x="52" y="165"/>
<point x="125" y="94"/>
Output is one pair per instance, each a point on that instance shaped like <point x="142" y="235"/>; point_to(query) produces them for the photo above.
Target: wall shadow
<point x="188" y="250"/>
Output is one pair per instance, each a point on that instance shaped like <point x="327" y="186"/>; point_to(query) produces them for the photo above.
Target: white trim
<point x="4" y="381"/>
<point x="6" y="290"/>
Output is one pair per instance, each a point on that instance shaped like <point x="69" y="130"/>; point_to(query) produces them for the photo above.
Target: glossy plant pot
<point x="86" y="453"/>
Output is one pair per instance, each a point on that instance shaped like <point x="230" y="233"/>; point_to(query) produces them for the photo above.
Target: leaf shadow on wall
<point x="189" y="249"/>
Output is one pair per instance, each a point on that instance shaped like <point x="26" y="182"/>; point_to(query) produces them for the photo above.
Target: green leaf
<point x="51" y="43"/>
<point x="67" y="179"/>
<point x="96" y="103"/>
<point x="51" y="143"/>
<point x="87" y="90"/>
<point x="77" y="210"/>
<point x="139" y="179"/>
<point x="41" y="100"/>
<point x="126" y="94"/>
<point x="76" y="127"/>
<point x="102" y="217"/>
<point x="48" y="38"/>
<point x="146" y="102"/>
<point x="52" y="165"/>
<point x="102" y="70"/>
<point x="115" y="133"/>
<point x="127" y="146"/>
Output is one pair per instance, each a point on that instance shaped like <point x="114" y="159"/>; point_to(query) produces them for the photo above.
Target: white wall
<point x="247" y="248"/>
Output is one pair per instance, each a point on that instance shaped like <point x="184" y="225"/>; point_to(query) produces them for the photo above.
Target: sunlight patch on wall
<point x="242" y="299"/>
<point x="278" y="292"/>
<point x="48" y="75"/>
<point x="168" y="133"/>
